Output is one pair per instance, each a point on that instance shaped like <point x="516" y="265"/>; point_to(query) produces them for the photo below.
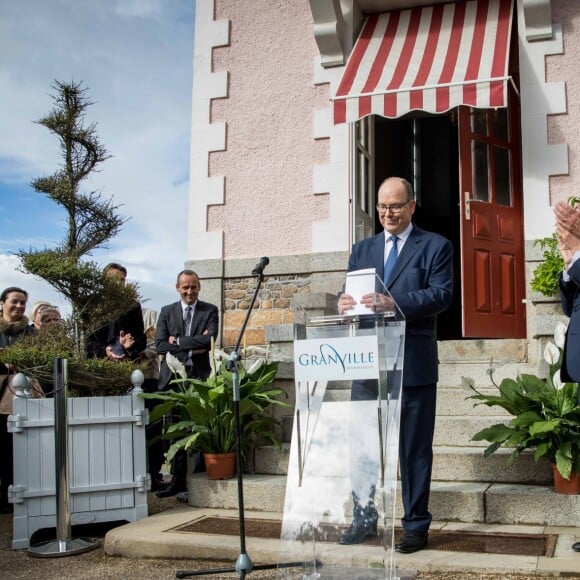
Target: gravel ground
<point x="17" y="564"/>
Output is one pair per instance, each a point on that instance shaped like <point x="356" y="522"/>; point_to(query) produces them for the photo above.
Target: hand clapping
<point x="568" y="231"/>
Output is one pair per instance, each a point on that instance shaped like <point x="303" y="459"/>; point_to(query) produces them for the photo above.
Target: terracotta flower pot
<point x="220" y="465"/>
<point x="567" y="486"/>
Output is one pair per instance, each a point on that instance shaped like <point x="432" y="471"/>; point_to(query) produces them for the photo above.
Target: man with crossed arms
<point x="185" y="329"/>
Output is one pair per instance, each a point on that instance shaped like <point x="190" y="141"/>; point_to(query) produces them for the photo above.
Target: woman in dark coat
<point x="13" y="325"/>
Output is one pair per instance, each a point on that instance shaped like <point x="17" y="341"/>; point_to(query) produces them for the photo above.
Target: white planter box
<point x="107" y="462"/>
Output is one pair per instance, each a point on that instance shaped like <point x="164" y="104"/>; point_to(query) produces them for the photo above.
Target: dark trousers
<point x="6" y="459"/>
<point x="179" y="461"/>
<point x="416" y="455"/>
<point x="155" y="446"/>
<point x="416" y="431"/>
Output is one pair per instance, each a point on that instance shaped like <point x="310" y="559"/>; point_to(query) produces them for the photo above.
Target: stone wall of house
<point x="272" y="306"/>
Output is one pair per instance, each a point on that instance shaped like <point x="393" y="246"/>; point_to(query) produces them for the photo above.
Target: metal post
<point x="63" y="529"/>
<point x="64" y="545"/>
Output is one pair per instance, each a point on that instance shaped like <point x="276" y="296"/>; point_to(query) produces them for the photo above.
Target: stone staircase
<point x="466" y="486"/>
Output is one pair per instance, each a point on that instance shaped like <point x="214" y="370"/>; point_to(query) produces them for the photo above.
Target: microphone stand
<point x="244" y="563"/>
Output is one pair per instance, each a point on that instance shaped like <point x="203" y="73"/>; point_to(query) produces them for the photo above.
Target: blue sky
<point x="136" y="58"/>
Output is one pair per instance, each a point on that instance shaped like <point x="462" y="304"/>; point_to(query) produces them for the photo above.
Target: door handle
<point x="467" y="200"/>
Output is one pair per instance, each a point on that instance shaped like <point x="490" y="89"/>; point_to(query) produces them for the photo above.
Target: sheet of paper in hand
<point x="358" y="283"/>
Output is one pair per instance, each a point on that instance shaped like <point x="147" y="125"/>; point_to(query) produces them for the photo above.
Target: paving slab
<point x="157" y="537"/>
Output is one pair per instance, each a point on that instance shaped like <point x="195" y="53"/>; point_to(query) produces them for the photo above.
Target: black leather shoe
<point x="412" y="542"/>
<point x="6" y="508"/>
<point x="576" y="547"/>
<point x="175" y="486"/>
<point x="358" y="532"/>
<point x="157" y="483"/>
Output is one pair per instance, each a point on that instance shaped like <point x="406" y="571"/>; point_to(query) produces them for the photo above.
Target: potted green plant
<point x="546" y="415"/>
<point x="205" y="409"/>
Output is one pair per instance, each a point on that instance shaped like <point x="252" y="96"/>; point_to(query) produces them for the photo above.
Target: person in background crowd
<point x="155" y="446"/>
<point x="150" y="317"/>
<point x="35" y="311"/>
<point x="568" y="230"/>
<point x="13" y="325"/>
<point x="185" y="329"/>
<point x="49" y="316"/>
<point x="124" y="337"/>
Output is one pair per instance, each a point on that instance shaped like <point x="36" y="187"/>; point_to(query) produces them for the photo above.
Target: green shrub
<point x="547" y="274"/>
<point x="34" y="356"/>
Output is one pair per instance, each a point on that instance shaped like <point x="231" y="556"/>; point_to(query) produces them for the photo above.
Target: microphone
<point x="260" y="266"/>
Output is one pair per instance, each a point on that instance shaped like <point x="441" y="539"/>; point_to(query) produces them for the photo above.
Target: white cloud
<point x="135" y="57"/>
<point x="37" y="289"/>
<point x="141" y="8"/>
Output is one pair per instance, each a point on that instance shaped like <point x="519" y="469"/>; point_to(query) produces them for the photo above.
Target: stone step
<point x="449" y="464"/>
<point x="470" y="502"/>
<point x="451" y="402"/>
<point x="469" y="464"/>
<point x="483" y="350"/>
<point x="451" y="377"/>
<point x="281" y="337"/>
<point x="451" y="374"/>
<point x="452" y="430"/>
<point x="458" y="431"/>
<point x="513" y="353"/>
<point x="454" y="402"/>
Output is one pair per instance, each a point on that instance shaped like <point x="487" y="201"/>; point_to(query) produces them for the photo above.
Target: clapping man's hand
<point x="568" y="231"/>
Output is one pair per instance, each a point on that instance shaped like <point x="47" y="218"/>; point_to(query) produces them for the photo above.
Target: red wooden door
<point x="492" y="242"/>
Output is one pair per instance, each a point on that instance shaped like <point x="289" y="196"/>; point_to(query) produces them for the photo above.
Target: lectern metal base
<point x="60" y="548"/>
<point x="336" y="573"/>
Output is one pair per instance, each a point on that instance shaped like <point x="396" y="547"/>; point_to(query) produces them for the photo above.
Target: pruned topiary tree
<point x="91" y="222"/>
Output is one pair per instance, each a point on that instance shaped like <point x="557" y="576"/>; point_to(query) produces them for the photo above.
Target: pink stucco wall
<point x="566" y="67"/>
<point x="270" y="152"/>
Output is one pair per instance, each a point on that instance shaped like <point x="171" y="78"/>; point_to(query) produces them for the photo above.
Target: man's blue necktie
<point x="391" y="259"/>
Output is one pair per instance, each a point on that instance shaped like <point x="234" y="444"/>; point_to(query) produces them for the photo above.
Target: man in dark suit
<point x="124" y="337"/>
<point x="568" y="230"/>
<point x="419" y="277"/>
<point x="187" y="339"/>
<point x="185" y="329"/>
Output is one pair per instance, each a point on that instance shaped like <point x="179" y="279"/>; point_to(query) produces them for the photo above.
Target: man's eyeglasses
<point x="394" y="207"/>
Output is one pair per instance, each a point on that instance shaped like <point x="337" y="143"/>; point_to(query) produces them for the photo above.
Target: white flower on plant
<point x="557" y="380"/>
<point x="175" y="365"/>
<point x="560" y="334"/>
<point x="255" y="365"/>
<point x="215" y="360"/>
<point x="493" y="366"/>
<point x="551" y="353"/>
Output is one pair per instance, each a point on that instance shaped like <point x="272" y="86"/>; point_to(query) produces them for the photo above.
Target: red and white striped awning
<point x="431" y="59"/>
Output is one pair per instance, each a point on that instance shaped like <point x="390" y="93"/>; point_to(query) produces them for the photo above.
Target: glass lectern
<point x="344" y="449"/>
